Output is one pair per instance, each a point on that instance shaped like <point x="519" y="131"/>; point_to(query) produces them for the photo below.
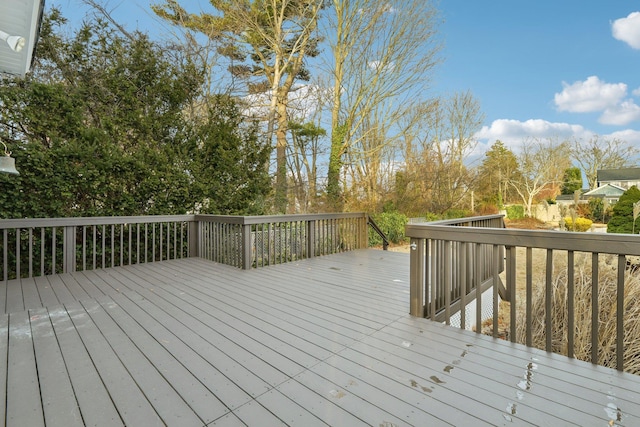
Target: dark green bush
<point x="392" y="225"/>
<point x="515" y="212"/>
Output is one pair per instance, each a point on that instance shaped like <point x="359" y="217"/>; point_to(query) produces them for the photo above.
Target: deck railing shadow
<point x="44" y="246"/>
<point x="452" y="260"/>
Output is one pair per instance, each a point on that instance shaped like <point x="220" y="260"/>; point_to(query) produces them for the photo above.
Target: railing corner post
<point x="194" y="238"/>
<point x="311" y="238"/>
<point x="416" y="277"/>
<point x="246" y="247"/>
<point x="69" y="251"/>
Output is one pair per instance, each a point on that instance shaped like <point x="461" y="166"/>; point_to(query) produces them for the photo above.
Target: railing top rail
<point x="466" y="220"/>
<point x="263" y="219"/>
<point x="98" y="220"/>
<point x="108" y="220"/>
<point x="622" y="244"/>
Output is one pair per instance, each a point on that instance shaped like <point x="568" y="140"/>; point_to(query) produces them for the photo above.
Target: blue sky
<point x="549" y="68"/>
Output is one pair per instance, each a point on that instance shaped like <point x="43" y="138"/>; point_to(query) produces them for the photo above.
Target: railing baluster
<point x="622" y="264"/>
<point x="511" y="288"/>
<point x="478" y="280"/>
<point x="103" y="238"/>
<point x="168" y="240"/>
<point x="18" y="253"/>
<point x="84" y="247"/>
<point x="5" y="255"/>
<point x="153" y="242"/>
<point x="138" y="243"/>
<point x="53" y="250"/>
<point x="95" y="229"/>
<point x="594" y="307"/>
<point x="42" y="250"/>
<point x="548" y="300"/>
<point x="496" y="282"/>
<point x="121" y="244"/>
<point x="30" y="252"/>
<point x="146" y="242"/>
<point x="448" y="272"/>
<point x="529" y="296"/>
<point x="571" y="328"/>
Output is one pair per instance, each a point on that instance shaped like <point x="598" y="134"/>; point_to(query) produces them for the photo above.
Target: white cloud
<point x="590" y="95"/>
<point x="304" y="100"/>
<point x="381" y="66"/>
<point x="636" y="92"/>
<point x="629" y="135"/>
<point x="627" y="29"/>
<point x="622" y="114"/>
<point x="514" y="131"/>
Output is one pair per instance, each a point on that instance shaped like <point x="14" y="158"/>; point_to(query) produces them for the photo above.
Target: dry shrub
<point x="607" y="291"/>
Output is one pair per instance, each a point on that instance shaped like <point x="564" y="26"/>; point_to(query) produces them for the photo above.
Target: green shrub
<point x="457" y="213"/>
<point x="581" y="225"/>
<point x="392" y="225"/>
<point x="515" y="211"/>
<point x="622" y="219"/>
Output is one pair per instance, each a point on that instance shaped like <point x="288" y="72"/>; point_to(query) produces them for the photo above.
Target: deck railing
<point x="43" y="246"/>
<point x="446" y="258"/>
<point x="258" y="241"/>
<point x="448" y="277"/>
<point x="38" y="247"/>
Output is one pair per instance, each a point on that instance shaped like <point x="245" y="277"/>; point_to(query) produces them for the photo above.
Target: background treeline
<point x="320" y="107"/>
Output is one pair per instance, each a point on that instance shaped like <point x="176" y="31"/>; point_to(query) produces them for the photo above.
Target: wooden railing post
<point x="194" y="238"/>
<point x="416" y="277"/>
<point x="69" y="249"/>
<point x="246" y="247"/>
<point x="311" y="238"/>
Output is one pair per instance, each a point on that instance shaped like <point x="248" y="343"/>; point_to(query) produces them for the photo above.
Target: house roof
<point x="607" y="190"/>
<point x="624" y="174"/>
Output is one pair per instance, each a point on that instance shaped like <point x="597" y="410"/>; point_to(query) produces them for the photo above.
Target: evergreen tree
<point x="100" y="128"/>
<point x="622" y="219"/>
<point x="572" y="181"/>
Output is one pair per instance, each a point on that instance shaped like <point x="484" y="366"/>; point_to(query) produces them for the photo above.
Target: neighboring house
<point x="611" y="192"/>
<point x="624" y="178"/>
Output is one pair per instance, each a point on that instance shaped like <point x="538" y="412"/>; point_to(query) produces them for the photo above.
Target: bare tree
<point x="541" y="164"/>
<point x="600" y="153"/>
<point x="438" y="137"/>
<point x="382" y="57"/>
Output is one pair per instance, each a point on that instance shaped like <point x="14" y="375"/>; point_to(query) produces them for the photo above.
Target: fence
<point x="448" y="258"/>
<point x="38" y="247"/>
<point x="258" y="241"/>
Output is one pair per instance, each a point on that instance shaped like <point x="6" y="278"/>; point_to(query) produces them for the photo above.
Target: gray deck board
<point x="47" y="295"/>
<point x="4" y="353"/>
<point x="96" y="404"/>
<point x="78" y="293"/>
<point x="30" y="294"/>
<point x="173" y="366"/>
<point x="326" y="341"/>
<point x="167" y="402"/>
<point x="24" y="407"/>
<point x="58" y="399"/>
<point x="14" y="297"/>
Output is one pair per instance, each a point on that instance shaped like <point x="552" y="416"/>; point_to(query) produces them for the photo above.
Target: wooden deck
<point x="325" y="341"/>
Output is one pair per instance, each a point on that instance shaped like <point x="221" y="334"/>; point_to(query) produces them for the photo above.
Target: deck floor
<point x="325" y="341"/>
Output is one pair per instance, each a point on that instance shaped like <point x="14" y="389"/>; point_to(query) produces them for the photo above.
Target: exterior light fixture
<point x="16" y="43"/>
<point x="8" y="163"/>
